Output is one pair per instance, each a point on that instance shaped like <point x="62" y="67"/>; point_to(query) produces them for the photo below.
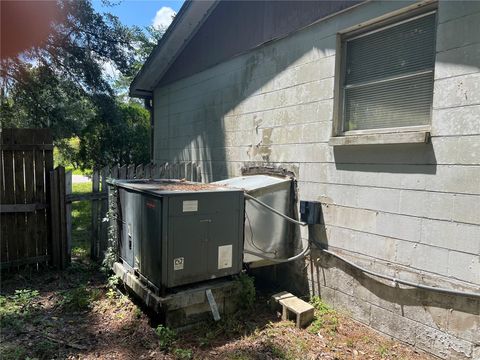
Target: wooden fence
<point x="99" y="194"/>
<point x="25" y="164"/>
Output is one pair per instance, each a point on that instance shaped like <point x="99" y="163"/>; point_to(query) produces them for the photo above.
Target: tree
<point x="119" y="134"/>
<point x="59" y="84"/>
<point x="50" y="84"/>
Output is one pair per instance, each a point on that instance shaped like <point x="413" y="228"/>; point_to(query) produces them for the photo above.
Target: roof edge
<point x="185" y="24"/>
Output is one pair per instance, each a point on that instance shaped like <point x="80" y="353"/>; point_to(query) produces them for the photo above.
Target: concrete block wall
<point x="409" y="210"/>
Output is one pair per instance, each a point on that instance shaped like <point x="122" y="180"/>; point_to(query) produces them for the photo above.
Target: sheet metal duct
<point x="266" y="232"/>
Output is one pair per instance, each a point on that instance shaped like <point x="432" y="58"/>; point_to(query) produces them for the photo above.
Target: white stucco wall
<point x="408" y="210"/>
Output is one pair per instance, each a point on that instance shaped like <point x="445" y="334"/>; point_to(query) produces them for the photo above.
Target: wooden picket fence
<point x="99" y="195"/>
<point x="30" y="230"/>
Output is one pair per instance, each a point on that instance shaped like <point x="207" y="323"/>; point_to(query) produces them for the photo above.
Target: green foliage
<point x="325" y="317"/>
<point x="383" y="350"/>
<point x="79" y="299"/>
<point x="182" y="354"/>
<point x="247" y="295"/>
<point x="46" y="349"/>
<point x="8" y="352"/>
<point x="320" y="307"/>
<point x="62" y="85"/>
<point x="118" y="134"/>
<point x="81" y="222"/>
<point x="166" y="337"/>
<point x="113" y="281"/>
<point x="16" y="309"/>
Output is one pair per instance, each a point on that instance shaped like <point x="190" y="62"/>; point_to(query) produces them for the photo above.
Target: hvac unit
<point x="175" y="233"/>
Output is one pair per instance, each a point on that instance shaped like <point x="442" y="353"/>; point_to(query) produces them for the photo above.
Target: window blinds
<point x="388" y="80"/>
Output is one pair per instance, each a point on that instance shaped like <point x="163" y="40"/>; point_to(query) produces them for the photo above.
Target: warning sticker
<point x="178" y="263"/>
<point x="225" y="256"/>
<point x="190" y="205"/>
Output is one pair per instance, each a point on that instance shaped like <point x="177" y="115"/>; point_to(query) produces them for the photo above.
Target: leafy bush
<point x="247" y="294"/>
<point x="166" y="337"/>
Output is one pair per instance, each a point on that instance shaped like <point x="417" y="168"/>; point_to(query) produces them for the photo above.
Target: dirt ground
<point x="80" y="314"/>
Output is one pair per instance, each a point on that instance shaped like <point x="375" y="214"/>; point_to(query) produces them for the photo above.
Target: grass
<point x="81" y="222"/>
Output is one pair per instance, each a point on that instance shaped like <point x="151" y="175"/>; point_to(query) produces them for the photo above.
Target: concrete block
<point x="394" y="325"/>
<point x="378" y="199"/>
<point x="465" y="325"/>
<point x="433" y="205"/>
<point x="458" y="61"/>
<point x="457" y="91"/>
<point x="455" y="179"/>
<point x="456" y="121"/>
<point x="451" y="235"/>
<point x="467" y="150"/>
<point x="441" y="344"/>
<point x="465" y="267"/>
<point x="302" y="311"/>
<point x="458" y="32"/>
<point x="275" y="298"/>
<point x="398" y="226"/>
<point x="352" y="306"/>
<point x="448" y="10"/>
<point x="466" y="208"/>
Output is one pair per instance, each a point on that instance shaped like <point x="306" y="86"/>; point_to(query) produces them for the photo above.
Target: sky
<point x="141" y="12"/>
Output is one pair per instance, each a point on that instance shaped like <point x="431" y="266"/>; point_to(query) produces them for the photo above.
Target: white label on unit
<point x="225" y="256"/>
<point x="178" y="263"/>
<point x="190" y="205"/>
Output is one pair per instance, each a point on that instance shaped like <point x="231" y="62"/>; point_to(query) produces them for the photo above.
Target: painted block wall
<point x="409" y="210"/>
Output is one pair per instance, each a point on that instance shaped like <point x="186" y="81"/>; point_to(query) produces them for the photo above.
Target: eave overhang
<point x="185" y="24"/>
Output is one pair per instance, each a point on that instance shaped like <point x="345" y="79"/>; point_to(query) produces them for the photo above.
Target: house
<point x="375" y="106"/>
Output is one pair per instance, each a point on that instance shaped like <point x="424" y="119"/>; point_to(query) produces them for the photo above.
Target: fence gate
<point x="26" y="164"/>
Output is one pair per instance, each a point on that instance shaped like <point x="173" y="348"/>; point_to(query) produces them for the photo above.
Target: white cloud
<point x="163" y="17"/>
<point x="110" y="71"/>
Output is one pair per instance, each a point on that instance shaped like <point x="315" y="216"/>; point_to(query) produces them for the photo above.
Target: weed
<point x="350" y="343"/>
<point x="16" y="308"/>
<point x="137" y="312"/>
<point x="276" y="351"/>
<point x="319" y="305"/>
<point x="247" y="295"/>
<point x="111" y="294"/>
<point x="382" y="350"/>
<point x="113" y="281"/>
<point x="46" y="349"/>
<point x="79" y="299"/>
<point x="166" y="337"/>
<point x="182" y="354"/>
<point x="325" y="317"/>
<point x="8" y="352"/>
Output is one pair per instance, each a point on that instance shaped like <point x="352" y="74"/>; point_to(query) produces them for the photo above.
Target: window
<point x="386" y="77"/>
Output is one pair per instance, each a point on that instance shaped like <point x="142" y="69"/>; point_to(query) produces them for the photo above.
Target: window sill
<point x="414" y="137"/>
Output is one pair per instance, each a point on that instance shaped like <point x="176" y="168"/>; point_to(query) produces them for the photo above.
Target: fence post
<point x="103" y="214"/>
<point x="68" y="207"/>
<point x="59" y="254"/>
<point x="94" y="240"/>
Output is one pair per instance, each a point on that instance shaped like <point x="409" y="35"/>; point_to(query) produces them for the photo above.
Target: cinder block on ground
<point x="301" y="310"/>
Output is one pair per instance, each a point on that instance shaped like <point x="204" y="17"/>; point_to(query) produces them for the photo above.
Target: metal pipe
<point x="280" y="261"/>
<point x="288" y="218"/>
<point x="399" y="281"/>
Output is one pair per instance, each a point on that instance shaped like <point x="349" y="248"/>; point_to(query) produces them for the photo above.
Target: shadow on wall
<point x="379" y="292"/>
<point x="395" y="158"/>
